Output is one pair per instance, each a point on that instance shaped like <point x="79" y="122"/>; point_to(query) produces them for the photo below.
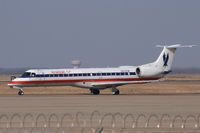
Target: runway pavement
<point x="159" y="104"/>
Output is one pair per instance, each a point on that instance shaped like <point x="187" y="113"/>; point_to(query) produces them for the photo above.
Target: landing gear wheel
<point x="115" y="91"/>
<point x="21" y="93"/>
<point x="95" y="91"/>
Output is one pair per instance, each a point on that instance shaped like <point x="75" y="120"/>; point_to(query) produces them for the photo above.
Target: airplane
<point x="96" y="79"/>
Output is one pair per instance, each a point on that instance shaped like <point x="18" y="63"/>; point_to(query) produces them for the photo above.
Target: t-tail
<point x="162" y="65"/>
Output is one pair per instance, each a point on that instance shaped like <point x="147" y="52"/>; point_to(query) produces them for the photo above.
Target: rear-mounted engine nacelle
<point x="146" y="72"/>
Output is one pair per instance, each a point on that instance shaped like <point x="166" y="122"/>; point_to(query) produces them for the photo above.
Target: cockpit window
<point x="26" y="74"/>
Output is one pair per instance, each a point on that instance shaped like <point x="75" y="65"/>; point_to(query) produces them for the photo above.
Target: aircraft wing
<point x="115" y="84"/>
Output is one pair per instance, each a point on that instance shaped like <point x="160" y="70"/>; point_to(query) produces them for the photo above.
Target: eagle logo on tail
<point x="165" y="59"/>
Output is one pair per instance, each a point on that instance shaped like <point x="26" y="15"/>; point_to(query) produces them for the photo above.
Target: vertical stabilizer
<point x="165" y="59"/>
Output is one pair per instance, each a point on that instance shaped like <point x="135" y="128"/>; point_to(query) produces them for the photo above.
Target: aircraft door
<point x="41" y="77"/>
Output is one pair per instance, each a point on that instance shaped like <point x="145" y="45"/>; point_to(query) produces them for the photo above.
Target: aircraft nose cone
<point x="10" y="83"/>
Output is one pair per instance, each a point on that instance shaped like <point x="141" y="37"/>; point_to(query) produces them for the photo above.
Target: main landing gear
<point x="21" y="92"/>
<point x="95" y="91"/>
<point x="115" y="91"/>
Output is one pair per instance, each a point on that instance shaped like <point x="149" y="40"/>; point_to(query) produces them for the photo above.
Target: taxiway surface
<point x="159" y="104"/>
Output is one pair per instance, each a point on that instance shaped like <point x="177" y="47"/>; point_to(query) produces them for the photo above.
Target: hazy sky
<point x="100" y="33"/>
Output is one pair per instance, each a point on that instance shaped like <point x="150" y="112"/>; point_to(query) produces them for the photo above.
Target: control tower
<point x="76" y="63"/>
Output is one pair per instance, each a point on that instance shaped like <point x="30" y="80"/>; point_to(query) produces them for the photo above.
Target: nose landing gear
<point x="21" y="92"/>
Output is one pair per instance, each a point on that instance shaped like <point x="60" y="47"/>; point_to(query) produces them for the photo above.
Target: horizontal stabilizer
<point x="177" y="46"/>
<point x="164" y="61"/>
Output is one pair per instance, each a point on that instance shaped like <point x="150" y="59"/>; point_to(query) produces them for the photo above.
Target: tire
<point x="116" y="92"/>
<point x="20" y="93"/>
<point x="95" y="92"/>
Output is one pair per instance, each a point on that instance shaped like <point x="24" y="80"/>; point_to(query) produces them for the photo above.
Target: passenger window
<point x="117" y="74"/>
<point x="84" y="74"/>
<point x="126" y="73"/>
<point x="65" y="75"/>
<point x="70" y="75"/>
<point x="80" y="74"/>
<point x="55" y="75"/>
<point x="122" y="73"/>
<point x="88" y="74"/>
<point x="51" y="75"/>
<point x="75" y="75"/>
<point x="37" y="75"/>
<point x="98" y="74"/>
<point x="60" y="75"/>
<point x="132" y="73"/>
<point x="46" y="75"/>
<point x="94" y="74"/>
<point x="108" y="74"/>
<point x="103" y="74"/>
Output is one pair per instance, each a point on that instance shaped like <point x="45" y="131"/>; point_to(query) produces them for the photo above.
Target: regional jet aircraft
<point x="96" y="79"/>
